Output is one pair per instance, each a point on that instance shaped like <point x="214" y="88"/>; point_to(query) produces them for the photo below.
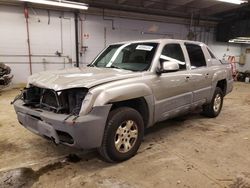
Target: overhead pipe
<point x="26" y="15"/>
<point x="54" y="62"/>
<point x="81" y="34"/>
<point x="32" y="55"/>
<point x="108" y="19"/>
<point x="76" y="39"/>
<point x="81" y="37"/>
<point x="61" y="33"/>
<point x="130" y="14"/>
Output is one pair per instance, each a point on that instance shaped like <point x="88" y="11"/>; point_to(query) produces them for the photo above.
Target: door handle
<point x="207" y="75"/>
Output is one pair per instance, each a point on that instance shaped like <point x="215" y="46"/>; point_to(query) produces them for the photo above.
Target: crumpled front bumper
<point x="84" y="132"/>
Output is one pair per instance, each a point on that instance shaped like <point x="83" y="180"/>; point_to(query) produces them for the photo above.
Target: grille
<point x="49" y="99"/>
<point x="64" y="102"/>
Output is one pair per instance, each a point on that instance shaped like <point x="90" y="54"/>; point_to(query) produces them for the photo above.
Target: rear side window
<point x="196" y="56"/>
<point x="175" y="52"/>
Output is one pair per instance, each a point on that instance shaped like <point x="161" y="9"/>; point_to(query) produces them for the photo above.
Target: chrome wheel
<point x="126" y="136"/>
<point x="217" y="102"/>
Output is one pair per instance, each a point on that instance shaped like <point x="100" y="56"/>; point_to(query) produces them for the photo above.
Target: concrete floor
<point x="191" y="151"/>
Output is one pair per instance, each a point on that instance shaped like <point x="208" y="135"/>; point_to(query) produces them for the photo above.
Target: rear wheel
<point x="123" y="135"/>
<point x="213" y="109"/>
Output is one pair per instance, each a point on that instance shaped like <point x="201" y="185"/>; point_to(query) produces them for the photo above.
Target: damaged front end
<point x="5" y="75"/>
<point x="61" y="102"/>
<point x="57" y="115"/>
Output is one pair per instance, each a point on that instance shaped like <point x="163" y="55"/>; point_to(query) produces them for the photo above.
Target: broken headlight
<point x="65" y="102"/>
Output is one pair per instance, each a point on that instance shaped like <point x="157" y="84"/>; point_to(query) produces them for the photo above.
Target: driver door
<point x="172" y="90"/>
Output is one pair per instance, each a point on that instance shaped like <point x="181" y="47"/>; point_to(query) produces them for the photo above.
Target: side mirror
<point x="168" y="66"/>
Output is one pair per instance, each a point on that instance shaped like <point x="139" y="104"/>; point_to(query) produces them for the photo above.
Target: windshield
<point x="129" y="56"/>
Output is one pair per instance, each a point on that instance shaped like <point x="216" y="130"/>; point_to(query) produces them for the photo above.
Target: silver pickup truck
<point x="129" y="86"/>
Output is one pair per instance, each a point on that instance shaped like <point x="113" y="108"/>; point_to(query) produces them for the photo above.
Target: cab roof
<point x="161" y="41"/>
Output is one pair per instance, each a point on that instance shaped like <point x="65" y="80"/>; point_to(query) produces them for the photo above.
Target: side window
<point x="211" y="53"/>
<point x="196" y="56"/>
<point x="174" y="51"/>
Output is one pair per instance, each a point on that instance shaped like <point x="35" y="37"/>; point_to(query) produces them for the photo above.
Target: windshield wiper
<point x="115" y="67"/>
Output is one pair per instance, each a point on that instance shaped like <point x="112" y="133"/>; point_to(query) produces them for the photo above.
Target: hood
<point x="79" y="77"/>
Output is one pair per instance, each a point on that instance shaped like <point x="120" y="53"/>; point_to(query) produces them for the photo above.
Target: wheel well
<point x="138" y="104"/>
<point x="223" y="85"/>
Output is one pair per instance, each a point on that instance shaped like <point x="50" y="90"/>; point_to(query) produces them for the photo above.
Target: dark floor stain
<point x="8" y="146"/>
<point x="240" y="182"/>
<point x="73" y="158"/>
<point x="148" y="148"/>
<point x="202" y="128"/>
<point x="189" y="167"/>
<point x="21" y="177"/>
<point x="50" y="167"/>
<point x="26" y="177"/>
<point x="246" y="174"/>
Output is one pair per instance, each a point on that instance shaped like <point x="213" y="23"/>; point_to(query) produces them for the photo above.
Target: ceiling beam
<point x="127" y="13"/>
<point x="197" y="6"/>
<point x="218" y="8"/>
<point x="177" y="4"/>
<point x="148" y="3"/>
<point x="147" y="17"/>
<point x="141" y="9"/>
<point x="121" y="1"/>
<point x="202" y="4"/>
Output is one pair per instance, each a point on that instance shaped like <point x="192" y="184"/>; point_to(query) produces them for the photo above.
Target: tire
<point x="213" y="109"/>
<point x="122" y="136"/>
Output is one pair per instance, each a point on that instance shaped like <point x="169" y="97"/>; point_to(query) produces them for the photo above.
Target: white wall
<point x="46" y="38"/>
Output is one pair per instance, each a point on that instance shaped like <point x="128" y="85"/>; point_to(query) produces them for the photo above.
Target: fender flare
<point x="122" y="93"/>
<point x="221" y="75"/>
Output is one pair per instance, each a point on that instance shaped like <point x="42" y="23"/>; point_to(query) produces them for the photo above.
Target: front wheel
<point x="123" y="135"/>
<point x="213" y="109"/>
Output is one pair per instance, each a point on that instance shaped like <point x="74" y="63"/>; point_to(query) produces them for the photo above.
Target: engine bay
<point x="63" y="102"/>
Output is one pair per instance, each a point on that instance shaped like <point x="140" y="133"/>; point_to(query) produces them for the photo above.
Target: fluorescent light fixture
<point x="241" y="40"/>
<point x="244" y="38"/>
<point x="237" y="2"/>
<point x="60" y="3"/>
